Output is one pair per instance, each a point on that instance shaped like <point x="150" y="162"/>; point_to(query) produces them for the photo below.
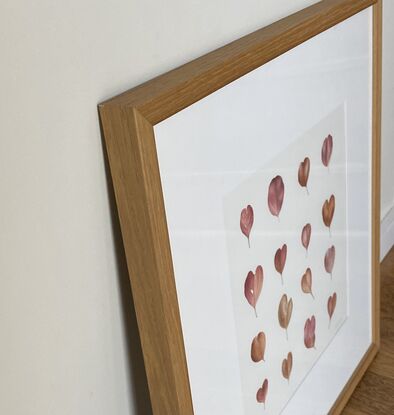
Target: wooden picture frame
<point x="128" y="122"/>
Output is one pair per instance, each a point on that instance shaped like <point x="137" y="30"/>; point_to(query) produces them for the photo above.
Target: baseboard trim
<point x="387" y="232"/>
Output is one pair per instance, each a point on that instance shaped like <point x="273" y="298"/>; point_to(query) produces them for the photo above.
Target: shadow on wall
<point x="136" y="366"/>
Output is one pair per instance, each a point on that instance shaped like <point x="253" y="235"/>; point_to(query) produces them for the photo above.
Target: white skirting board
<point x="386" y="231"/>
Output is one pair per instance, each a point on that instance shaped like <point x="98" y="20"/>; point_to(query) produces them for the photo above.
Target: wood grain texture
<point x="167" y="94"/>
<point x="128" y="121"/>
<point x="135" y="174"/>
<point x="375" y="393"/>
<point x="375" y="220"/>
<point x="376" y="166"/>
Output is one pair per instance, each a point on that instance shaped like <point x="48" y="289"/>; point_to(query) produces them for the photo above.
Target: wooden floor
<point x="375" y="394"/>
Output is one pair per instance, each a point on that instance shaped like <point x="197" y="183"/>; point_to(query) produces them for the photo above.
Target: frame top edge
<point x="168" y="93"/>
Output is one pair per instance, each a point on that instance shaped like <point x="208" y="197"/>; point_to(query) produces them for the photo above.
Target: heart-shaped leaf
<point x="253" y="286"/>
<point x="258" y="348"/>
<point x="287" y="365"/>
<point x="284" y="312"/>
<point x="331" y="304"/>
<point x="326" y="150"/>
<point x="306" y="282"/>
<point x="309" y="332"/>
<point x="306" y="236"/>
<point x="329" y="260"/>
<point x="276" y="194"/>
<point x="246" y="221"/>
<point x="280" y="260"/>
<point x="261" y="395"/>
<point x="328" y="211"/>
<point x="303" y="173"/>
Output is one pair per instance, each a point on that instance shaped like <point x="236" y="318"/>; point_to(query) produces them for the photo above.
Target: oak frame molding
<point x="128" y="120"/>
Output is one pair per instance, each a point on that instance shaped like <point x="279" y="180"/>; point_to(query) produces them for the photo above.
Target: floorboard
<point x="375" y="393"/>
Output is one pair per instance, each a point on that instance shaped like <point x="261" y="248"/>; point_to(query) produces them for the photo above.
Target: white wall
<point x="68" y="339"/>
<point x="387" y="228"/>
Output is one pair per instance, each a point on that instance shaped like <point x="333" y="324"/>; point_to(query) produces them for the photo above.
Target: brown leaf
<point x="280" y="259"/>
<point x="258" y="347"/>
<point x="284" y="312"/>
<point x="306" y="282"/>
<point x="328" y="211"/>
<point x="303" y="173"/>
<point x="276" y="194"/>
<point x="306" y="235"/>
<point x="287" y="366"/>
<point x="326" y="150"/>
<point x="289" y="310"/>
<point x="329" y="259"/>
<point x="261" y="395"/>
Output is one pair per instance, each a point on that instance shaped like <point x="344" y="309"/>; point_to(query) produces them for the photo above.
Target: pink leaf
<point x="246" y="221"/>
<point x="331" y="304"/>
<point x="253" y="286"/>
<point x="309" y="332"/>
<point x="276" y="193"/>
<point x="329" y="259"/>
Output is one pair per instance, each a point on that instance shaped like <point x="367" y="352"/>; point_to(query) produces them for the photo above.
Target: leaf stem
<point x="248" y="241"/>
<point x="312" y="295"/>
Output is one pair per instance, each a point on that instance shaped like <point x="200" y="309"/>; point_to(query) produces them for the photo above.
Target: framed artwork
<point x="247" y="186"/>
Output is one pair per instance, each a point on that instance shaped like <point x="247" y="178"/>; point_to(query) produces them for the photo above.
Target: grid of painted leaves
<point x="254" y="281"/>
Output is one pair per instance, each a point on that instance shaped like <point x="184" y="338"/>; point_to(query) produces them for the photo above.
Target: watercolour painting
<point x="287" y="246"/>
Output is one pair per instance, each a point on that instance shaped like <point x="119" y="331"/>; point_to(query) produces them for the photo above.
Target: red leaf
<point x="276" y="193"/>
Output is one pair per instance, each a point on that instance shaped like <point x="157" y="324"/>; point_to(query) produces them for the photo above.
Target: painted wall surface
<point x="68" y="338"/>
